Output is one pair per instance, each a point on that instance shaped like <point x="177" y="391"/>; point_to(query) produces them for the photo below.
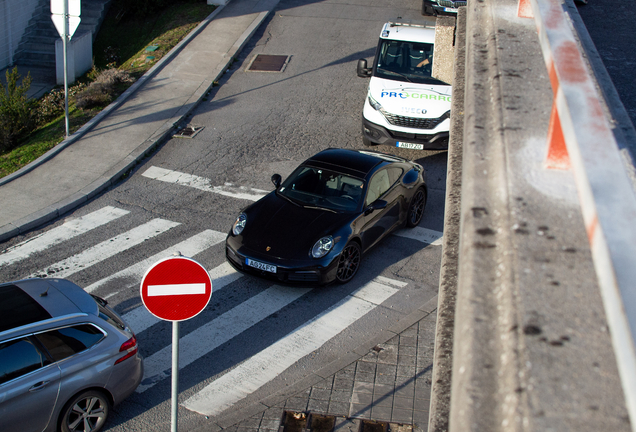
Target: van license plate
<point x="261" y="266"/>
<point x="410" y="145"/>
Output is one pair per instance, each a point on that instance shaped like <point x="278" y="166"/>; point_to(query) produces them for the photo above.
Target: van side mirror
<point x="363" y="70"/>
<point x="276" y="179"/>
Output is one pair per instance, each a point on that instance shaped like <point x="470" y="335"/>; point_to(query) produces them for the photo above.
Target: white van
<point x="405" y="106"/>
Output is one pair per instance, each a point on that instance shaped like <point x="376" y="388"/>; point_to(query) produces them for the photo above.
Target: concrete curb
<point x="129" y="161"/>
<point x="443" y="355"/>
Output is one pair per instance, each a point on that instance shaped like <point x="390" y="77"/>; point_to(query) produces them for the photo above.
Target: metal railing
<point x="607" y="199"/>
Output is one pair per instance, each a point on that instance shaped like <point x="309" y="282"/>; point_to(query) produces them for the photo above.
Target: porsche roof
<point x="356" y="162"/>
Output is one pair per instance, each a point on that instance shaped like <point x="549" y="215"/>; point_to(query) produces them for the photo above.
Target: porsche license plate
<point x="261" y="266"/>
<point x="410" y="145"/>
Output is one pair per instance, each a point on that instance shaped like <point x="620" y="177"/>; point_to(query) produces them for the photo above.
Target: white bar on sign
<point x="176" y="289"/>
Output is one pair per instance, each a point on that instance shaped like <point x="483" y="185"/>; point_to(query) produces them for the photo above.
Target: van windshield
<point x="405" y="61"/>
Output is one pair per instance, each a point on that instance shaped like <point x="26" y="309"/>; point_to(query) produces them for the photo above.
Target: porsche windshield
<point x="406" y="61"/>
<point x="314" y="187"/>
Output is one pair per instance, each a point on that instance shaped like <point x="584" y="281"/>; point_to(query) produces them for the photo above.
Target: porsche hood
<point x="285" y="230"/>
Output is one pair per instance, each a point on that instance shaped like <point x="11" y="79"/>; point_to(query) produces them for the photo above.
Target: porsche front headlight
<point x="322" y="247"/>
<point x="239" y="225"/>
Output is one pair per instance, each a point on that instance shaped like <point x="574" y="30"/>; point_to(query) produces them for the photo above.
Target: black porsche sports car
<point x="315" y="226"/>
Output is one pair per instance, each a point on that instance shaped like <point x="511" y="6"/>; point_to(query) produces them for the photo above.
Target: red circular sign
<point x="176" y="289"/>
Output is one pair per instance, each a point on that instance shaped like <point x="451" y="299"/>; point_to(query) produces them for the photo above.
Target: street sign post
<point x="66" y="18"/>
<point x="176" y="289"/>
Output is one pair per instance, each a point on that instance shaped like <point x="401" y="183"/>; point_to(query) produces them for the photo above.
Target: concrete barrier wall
<point x="532" y="348"/>
<point x="14" y="17"/>
<point x="79" y="57"/>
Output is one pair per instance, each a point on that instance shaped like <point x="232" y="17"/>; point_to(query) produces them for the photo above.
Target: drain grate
<point x="373" y="426"/>
<point x="309" y="422"/>
<point x="268" y="63"/>
<point x="189" y="131"/>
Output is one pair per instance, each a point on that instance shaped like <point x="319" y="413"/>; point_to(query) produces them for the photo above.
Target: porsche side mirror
<point x="411" y="177"/>
<point x="376" y="205"/>
<point x="362" y="69"/>
<point x="276" y="179"/>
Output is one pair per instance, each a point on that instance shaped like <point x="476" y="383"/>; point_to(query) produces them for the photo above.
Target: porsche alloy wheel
<point x="349" y="263"/>
<point x="416" y="209"/>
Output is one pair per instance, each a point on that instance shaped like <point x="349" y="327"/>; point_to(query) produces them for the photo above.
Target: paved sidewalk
<point x="385" y="381"/>
<point x="99" y="154"/>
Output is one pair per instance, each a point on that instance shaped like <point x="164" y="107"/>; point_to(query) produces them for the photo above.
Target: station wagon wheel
<point x="416" y="208"/>
<point x="86" y="412"/>
<point x="349" y="263"/>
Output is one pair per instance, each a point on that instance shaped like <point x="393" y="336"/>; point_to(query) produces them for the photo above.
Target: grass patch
<point x="121" y="42"/>
<point x="43" y="139"/>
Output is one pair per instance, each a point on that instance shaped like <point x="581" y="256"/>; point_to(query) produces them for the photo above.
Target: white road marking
<point x="218" y="331"/>
<point x="203" y="184"/>
<point x="263" y="367"/>
<point x="424" y="235"/>
<point x="106" y="249"/>
<point x="189" y="248"/>
<point x="139" y="319"/>
<point x="64" y="232"/>
<point x="176" y="289"/>
<point x="111" y="295"/>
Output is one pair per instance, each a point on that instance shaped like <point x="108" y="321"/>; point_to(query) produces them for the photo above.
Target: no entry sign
<point x="176" y="289"/>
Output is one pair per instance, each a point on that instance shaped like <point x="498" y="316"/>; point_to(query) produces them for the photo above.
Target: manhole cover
<point x="268" y="63"/>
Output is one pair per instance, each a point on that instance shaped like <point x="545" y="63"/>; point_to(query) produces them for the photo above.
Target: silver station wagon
<point x="66" y="358"/>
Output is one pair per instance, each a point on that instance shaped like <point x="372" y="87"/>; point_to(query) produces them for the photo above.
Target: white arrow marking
<point x="176" y="289"/>
<point x="203" y="184"/>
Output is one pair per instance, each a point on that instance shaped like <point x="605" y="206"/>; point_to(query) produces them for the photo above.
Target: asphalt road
<point x="254" y="124"/>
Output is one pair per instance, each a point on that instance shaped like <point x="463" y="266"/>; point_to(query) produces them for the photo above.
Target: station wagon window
<point x="67" y="341"/>
<point x="17" y="308"/>
<point x="106" y="314"/>
<point x="19" y="357"/>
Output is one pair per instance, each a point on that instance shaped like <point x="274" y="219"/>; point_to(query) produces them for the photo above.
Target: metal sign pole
<point x="175" y="376"/>
<point x="64" y="45"/>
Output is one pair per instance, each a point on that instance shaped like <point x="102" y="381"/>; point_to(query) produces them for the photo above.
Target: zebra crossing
<point x="261" y="368"/>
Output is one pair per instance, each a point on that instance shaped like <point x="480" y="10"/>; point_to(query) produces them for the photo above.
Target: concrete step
<point x="40" y="36"/>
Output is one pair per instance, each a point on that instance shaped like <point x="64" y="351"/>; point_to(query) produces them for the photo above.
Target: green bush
<point x="51" y="106"/>
<point x="17" y="111"/>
